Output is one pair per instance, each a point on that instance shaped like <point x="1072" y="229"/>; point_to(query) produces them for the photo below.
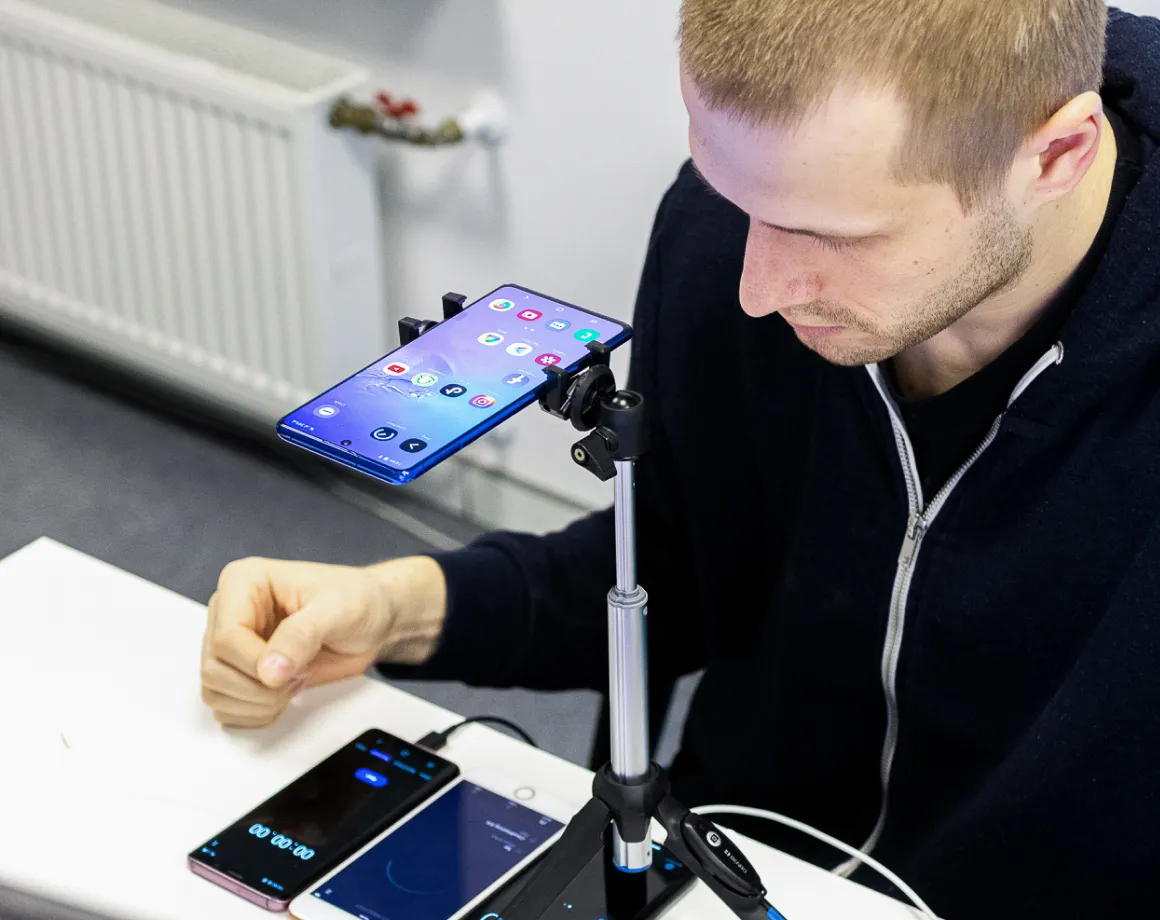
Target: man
<point x="902" y="500"/>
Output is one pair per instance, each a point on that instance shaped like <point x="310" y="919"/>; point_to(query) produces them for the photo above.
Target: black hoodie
<point x="995" y="649"/>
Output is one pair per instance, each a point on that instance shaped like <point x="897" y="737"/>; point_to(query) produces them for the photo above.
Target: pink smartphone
<point x="277" y="850"/>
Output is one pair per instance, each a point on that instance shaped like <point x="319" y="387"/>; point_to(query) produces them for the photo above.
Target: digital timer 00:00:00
<point x="281" y="842"/>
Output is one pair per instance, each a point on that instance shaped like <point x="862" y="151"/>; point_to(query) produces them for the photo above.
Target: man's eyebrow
<point x="795" y="231"/>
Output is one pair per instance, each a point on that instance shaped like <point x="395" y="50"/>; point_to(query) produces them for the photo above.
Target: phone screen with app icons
<point x="423" y="401"/>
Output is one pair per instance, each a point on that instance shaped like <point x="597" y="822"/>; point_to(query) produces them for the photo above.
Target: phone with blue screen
<point x="444" y="859"/>
<point x="410" y="410"/>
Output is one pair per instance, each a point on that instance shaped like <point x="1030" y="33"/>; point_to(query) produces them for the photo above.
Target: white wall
<point x="564" y="207"/>
<point x="1141" y="7"/>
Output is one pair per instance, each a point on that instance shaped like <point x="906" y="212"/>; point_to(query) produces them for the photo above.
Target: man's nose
<point x="776" y="275"/>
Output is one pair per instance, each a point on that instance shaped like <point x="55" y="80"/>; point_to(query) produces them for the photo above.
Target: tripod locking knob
<point x="595" y="453"/>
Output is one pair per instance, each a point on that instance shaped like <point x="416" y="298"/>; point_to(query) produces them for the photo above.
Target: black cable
<point x="438" y="740"/>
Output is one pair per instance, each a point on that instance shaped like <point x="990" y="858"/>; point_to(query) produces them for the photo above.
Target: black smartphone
<point x="603" y="892"/>
<point x="291" y="840"/>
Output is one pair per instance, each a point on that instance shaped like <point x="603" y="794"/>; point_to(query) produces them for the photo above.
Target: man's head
<point x="894" y="156"/>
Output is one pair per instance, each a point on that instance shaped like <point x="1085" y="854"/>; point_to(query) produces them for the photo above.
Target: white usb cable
<point x="825" y="838"/>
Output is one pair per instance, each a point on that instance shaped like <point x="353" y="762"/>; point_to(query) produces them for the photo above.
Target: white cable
<point x="825" y="838"/>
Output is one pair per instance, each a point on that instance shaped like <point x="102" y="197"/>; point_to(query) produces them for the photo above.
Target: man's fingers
<point x="238" y="646"/>
<point x="230" y="682"/>
<point x="236" y="721"/>
<point x="241" y="612"/>
<point x="298" y="640"/>
<point x="330" y="666"/>
<point x="244" y="710"/>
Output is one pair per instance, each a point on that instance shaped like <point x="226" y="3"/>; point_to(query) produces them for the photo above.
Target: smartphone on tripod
<point x="413" y="408"/>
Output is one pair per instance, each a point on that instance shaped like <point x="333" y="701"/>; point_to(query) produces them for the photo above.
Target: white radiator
<point x="172" y="197"/>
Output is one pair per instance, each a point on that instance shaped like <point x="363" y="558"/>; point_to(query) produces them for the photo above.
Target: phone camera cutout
<point x="346" y="443"/>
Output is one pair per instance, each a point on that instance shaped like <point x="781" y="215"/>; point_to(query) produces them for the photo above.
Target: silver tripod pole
<point x="628" y="667"/>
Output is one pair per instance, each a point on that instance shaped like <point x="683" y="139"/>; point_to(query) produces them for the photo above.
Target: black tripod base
<point x="696" y="841"/>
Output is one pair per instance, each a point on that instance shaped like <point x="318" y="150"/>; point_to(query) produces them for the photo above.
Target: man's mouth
<point x="813" y="331"/>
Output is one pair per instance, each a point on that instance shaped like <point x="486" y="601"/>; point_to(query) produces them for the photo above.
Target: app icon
<point x="501" y="306"/>
<point x="483" y="402"/>
<point x="413" y="445"/>
<point x="547" y="360"/>
<point x="397" y="368"/>
<point x="424" y="380"/>
<point x="370" y="777"/>
<point x="454" y="389"/>
<point x="326" y="411"/>
<point x="518" y="379"/>
<point x="558" y="325"/>
<point x="519" y="349"/>
<point x="383" y="434"/>
<point x="490" y="338"/>
<point x="530" y="316"/>
<point x="587" y="335"/>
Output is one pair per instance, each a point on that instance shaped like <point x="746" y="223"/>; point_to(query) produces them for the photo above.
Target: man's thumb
<point x="295" y="644"/>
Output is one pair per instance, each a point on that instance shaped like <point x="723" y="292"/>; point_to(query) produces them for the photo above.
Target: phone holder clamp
<point x="411" y="328"/>
<point x="590" y="400"/>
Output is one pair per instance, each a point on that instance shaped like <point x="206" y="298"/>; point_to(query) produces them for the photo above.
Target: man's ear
<point x="1060" y="153"/>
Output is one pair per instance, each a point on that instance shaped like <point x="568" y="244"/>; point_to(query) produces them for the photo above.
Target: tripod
<point x="630" y="791"/>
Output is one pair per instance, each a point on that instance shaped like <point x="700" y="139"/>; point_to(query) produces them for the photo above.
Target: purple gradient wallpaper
<point x="455" y="380"/>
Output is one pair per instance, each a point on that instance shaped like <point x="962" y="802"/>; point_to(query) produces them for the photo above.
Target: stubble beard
<point x="1001" y="254"/>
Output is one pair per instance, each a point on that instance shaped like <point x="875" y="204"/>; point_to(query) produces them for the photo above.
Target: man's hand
<point x="275" y="627"/>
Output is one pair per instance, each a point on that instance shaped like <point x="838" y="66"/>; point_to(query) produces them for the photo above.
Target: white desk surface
<point x="112" y="769"/>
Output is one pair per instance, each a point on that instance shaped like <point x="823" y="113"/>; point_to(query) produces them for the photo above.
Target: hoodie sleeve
<point x="530" y="611"/>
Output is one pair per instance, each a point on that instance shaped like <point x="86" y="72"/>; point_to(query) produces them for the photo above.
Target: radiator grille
<point x="161" y="215"/>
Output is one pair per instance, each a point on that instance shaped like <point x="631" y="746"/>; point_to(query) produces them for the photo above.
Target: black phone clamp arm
<point x="411" y="328"/>
<point x="631" y="791"/>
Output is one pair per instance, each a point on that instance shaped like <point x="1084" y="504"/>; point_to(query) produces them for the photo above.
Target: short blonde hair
<point x="977" y="77"/>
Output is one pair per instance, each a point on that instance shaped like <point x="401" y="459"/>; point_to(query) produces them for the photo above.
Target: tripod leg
<point x="581" y="840"/>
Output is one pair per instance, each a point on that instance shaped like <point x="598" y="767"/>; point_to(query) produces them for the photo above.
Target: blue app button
<point x="517" y="379"/>
<point x="558" y="325"/>
<point x="370" y="777"/>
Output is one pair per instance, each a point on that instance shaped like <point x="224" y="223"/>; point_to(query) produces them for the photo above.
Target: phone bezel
<point x="393" y="476"/>
<point x="307" y="907"/>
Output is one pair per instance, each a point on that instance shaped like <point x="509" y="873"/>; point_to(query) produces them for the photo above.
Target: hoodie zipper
<point x="919" y="520"/>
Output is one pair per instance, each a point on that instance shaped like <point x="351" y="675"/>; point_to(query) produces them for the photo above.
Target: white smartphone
<point x="437" y="864"/>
